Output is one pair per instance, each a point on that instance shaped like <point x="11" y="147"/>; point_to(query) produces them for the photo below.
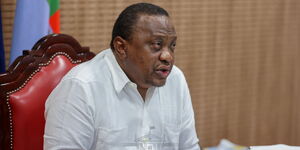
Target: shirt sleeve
<point x="188" y="137"/>
<point x="69" y="121"/>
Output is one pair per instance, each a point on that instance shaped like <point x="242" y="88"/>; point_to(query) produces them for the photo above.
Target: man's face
<point x="150" y="54"/>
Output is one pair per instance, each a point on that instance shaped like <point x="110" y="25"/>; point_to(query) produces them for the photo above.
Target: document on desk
<point x="275" y="147"/>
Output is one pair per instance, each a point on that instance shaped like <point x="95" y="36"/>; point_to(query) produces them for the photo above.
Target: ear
<point x="120" y="46"/>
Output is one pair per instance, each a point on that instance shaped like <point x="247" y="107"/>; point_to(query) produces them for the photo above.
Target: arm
<point x="69" y="121"/>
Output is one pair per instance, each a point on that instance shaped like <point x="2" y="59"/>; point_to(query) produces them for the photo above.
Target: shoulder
<point x="90" y="71"/>
<point x="176" y="82"/>
<point x="81" y="81"/>
<point x="176" y="76"/>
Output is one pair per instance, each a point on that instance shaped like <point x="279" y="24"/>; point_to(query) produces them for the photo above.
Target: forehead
<point x="155" y="25"/>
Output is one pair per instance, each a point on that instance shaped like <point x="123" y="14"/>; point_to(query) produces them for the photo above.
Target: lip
<point x="163" y="71"/>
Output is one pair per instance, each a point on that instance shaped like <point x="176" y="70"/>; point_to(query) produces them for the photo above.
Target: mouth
<point x="163" y="72"/>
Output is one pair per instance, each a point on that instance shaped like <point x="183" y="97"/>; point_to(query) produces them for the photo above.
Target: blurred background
<point x="241" y="59"/>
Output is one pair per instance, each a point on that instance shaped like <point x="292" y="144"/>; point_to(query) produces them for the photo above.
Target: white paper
<point x="275" y="147"/>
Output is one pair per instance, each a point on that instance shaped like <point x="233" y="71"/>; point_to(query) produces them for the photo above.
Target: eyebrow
<point x="164" y="35"/>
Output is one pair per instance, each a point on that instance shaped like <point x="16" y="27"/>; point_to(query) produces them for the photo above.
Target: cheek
<point x="144" y="64"/>
<point x="147" y="63"/>
<point x="141" y="60"/>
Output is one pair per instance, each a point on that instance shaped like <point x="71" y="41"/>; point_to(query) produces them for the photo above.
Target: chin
<point x="159" y="83"/>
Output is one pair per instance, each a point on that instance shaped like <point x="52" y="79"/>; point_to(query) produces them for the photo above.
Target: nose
<point x="166" y="56"/>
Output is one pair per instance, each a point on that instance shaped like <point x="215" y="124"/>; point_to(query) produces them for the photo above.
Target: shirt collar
<point x="119" y="77"/>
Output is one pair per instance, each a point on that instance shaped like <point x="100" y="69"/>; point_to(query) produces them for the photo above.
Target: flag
<point x="32" y="22"/>
<point x="2" y="56"/>
<point x="54" y="15"/>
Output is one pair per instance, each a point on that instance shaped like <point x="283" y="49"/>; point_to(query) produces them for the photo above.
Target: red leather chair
<point x="26" y="85"/>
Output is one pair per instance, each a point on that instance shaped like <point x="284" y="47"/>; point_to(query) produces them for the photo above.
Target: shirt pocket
<point x="112" y="139"/>
<point x="171" y="137"/>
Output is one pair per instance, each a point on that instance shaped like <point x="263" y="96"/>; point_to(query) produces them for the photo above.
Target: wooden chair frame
<point x="25" y="67"/>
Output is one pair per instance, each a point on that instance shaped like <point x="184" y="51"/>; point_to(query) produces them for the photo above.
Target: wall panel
<point x="240" y="58"/>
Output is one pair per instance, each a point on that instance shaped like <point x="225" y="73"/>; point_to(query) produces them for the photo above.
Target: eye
<point x="156" y="45"/>
<point x="173" y="46"/>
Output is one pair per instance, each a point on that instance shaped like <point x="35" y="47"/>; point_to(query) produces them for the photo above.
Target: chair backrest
<point x="26" y="85"/>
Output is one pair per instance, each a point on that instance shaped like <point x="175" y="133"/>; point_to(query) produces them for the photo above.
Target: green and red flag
<point x="54" y="15"/>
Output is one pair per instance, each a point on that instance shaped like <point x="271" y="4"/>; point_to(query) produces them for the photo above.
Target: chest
<point x="125" y="119"/>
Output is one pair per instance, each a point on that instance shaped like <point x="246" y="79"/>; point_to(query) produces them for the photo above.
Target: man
<point x="127" y="97"/>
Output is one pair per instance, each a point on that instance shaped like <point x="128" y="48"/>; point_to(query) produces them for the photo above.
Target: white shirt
<point x="96" y="107"/>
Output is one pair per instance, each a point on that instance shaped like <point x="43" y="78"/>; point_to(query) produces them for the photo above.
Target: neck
<point x="142" y="92"/>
